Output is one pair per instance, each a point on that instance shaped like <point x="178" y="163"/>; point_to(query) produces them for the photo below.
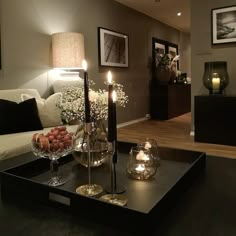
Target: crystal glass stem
<point x="56" y="179"/>
<point x="54" y="165"/>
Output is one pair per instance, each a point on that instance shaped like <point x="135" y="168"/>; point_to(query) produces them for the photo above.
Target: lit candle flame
<point x="140" y="168"/>
<point x="147" y="145"/>
<point x="114" y="96"/>
<point x="142" y="156"/>
<point x="84" y="65"/>
<point x="109" y="77"/>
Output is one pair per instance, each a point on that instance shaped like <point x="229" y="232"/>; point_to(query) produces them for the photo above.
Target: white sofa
<point x="19" y="143"/>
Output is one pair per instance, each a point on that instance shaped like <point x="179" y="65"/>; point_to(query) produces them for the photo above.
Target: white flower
<point x="93" y="96"/>
<point x="72" y="102"/>
<point x="176" y="58"/>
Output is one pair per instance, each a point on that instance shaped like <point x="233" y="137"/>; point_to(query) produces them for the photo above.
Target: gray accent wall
<point x="202" y="50"/>
<point x="27" y="25"/>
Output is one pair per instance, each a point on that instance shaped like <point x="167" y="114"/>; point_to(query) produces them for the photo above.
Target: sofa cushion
<point x="20" y="117"/>
<point x="15" y="94"/>
<point x="60" y="84"/>
<point x="49" y="113"/>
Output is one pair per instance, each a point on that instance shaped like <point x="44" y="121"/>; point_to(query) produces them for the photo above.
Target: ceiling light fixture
<point x="179" y="14"/>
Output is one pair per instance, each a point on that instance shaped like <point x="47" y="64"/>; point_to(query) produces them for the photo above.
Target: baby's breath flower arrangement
<point x="71" y="104"/>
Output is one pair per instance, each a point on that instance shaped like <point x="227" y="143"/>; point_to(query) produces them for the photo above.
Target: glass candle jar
<point x="151" y="145"/>
<point x="215" y="77"/>
<point x="141" y="164"/>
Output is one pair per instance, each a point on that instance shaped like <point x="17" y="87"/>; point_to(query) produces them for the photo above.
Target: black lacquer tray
<point x="148" y="201"/>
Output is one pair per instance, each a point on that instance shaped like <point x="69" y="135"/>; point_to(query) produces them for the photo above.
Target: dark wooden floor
<point x="172" y="133"/>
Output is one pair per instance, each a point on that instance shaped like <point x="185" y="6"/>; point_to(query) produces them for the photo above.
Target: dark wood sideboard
<point x="169" y="100"/>
<point x="215" y="119"/>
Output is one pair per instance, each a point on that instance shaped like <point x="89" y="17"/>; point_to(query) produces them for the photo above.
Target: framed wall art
<point x="224" y="25"/>
<point x="173" y="51"/>
<point x="163" y="52"/>
<point x="113" y="48"/>
<point x="159" y="49"/>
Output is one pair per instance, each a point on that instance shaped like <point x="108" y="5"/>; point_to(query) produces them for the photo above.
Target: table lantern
<point x="215" y="77"/>
<point x="141" y="164"/>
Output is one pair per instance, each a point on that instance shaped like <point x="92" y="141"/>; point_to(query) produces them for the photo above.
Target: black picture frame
<point x="113" y="48"/>
<point x="167" y="47"/>
<point x="173" y="50"/>
<point x="223" y="21"/>
<point x="159" y="48"/>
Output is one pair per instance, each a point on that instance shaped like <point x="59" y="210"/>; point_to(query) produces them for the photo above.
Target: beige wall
<point x="185" y="53"/>
<point x="202" y="50"/>
<point x="27" y="26"/>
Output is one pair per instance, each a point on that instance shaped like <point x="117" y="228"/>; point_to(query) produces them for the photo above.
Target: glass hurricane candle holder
<point x="152" y="146"/>
<point x="215" y="77"/>
<point x="141" y="164"/>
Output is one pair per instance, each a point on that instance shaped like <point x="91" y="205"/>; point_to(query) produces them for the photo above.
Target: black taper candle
<point x="114" y="132"/>
<point x="86" y="98"/>
<point x="110" y="136"/>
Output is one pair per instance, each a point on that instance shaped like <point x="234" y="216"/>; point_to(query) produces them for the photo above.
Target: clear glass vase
<point x="98" y="144"/>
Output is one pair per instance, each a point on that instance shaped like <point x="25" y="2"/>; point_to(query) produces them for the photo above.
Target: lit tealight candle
<point x="141" y="156"/>
<point x="140" y="168"/>
<point x="147" y="145"/>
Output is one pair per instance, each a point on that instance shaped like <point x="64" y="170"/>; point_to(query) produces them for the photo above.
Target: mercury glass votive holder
<point x="141" y="164"/>
<point x="151" y="145"/>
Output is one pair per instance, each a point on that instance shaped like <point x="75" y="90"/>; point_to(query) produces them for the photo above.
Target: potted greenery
<point x="165" y="70"/>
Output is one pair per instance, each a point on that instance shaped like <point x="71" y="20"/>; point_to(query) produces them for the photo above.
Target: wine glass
<point x="43" y="148"/>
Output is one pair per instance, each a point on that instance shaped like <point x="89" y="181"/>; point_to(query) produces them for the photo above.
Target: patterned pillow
<point x="49" y="113"/>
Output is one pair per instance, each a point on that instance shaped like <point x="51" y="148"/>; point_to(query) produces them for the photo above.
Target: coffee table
<point x="37" y="218"/>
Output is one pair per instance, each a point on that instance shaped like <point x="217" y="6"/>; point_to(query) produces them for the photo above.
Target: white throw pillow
<point x="58" y="85"/>
<point x="49" y="113"/>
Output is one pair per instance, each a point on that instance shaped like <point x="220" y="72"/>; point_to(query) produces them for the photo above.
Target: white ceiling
<point x="164" y="11"/>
